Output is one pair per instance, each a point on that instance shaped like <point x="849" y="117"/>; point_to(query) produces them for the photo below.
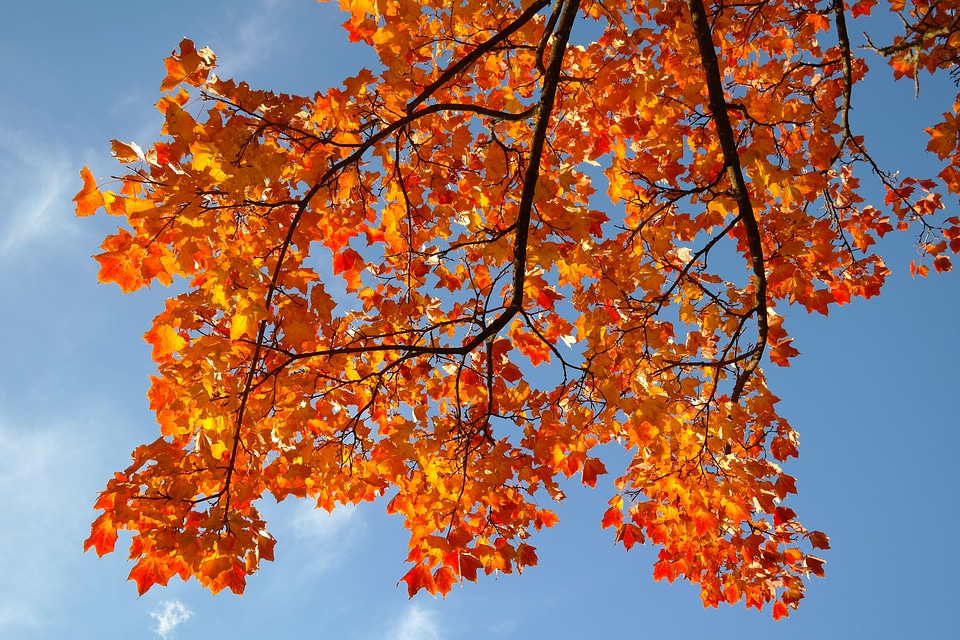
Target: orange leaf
<point x="89" y="199"/>
<point x="792" y="555"/>
<point x="190" y="65"/>
<point x="613" y="517"/>
<point x="165" y="341"/>
<point x="115" y="266"/>
<point x="783" y="448"/>
<point x="147" y="572"/>
<point x="126" y="152"/>
<point x="103" y="535"/>
<point x="545" y="518"/>
<point x="736" y="511"/>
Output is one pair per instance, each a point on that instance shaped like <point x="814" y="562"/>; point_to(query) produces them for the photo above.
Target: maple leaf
<point x="147" y="572"/>
<point x="103" y="535"/>
<point x="350" y="264"/>
<point x="612" y="517"/>
<point x="780" y="610"/>
<point x="419" y="578"/>
<point x="125" y="152"/>
<point x="165" y="340"/>
<point x="819" y="540"/>
<point x="116" y="267"/>
<point x="191" y="65"/>
<point x="89" y="198"/>
<point x="815" y="565"/>
<point x="592" y="468"/>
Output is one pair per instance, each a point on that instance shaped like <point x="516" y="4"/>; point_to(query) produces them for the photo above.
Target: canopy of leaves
<point x="408" y="287"/>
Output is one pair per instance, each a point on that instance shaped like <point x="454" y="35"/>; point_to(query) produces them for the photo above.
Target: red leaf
<point x="785" y="484"/>
<point x="547" y="296"/>
<point x="526" y="556"/>
<point x="862" y="8"/>
<point x="419" y="578"/>
<point x="629" y="535"/>
<point x="663" y="569"/>
<point x="468" y="567"/>
<point x="349" y="263"/>
<point x="613" y="517"/>
<point x="444" y="578"/>
<point x="591" y="469"/>
<point x="815" y="565"/>
<point x="819" y="540"/>
<point x="783" y="514"/>
<point x="780" y="610"/>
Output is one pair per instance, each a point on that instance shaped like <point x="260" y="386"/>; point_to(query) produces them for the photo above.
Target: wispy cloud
<point x="169" y="615"/>
<point x="330" y="536"/>
<point x="416" y="623"/>
<point x="35" y="184"/>
<point x="251" y="39"/>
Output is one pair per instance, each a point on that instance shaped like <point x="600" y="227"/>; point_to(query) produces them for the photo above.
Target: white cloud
<point x="250" y="41"/>
<point x="170" y="615"/>
<point x="43" y="499"/>
<point x="416" y="623"/>
<point x="35" y="187"/>
<point x="328" y="537"/>
<point x="320" y="526"/>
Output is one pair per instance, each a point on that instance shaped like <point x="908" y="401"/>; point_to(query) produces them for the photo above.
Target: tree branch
<point x="731" y="161"/>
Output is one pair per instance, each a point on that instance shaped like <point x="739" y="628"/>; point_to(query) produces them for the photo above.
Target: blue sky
<point x="872" y="393"/>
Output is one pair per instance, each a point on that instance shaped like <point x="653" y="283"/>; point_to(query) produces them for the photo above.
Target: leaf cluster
<point x="403" y="288"/>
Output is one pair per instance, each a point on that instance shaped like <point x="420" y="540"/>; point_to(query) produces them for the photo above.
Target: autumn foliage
<point x="412" y="287"/>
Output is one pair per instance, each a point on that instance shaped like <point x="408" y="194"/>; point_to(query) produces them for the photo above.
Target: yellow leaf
<point x="165" y="341"/>
<point x="240" y="326"/>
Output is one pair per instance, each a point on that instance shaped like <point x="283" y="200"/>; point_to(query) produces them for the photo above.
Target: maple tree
<point x="403" y="287"/>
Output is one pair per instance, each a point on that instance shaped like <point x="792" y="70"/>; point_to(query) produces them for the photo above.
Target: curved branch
<point x="476" y="54"/>
<point x="544" y="108"/>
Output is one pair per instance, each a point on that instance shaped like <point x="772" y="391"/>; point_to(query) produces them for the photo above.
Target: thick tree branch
<point x="843" y="39"/>
<point x="731" y="160"/>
